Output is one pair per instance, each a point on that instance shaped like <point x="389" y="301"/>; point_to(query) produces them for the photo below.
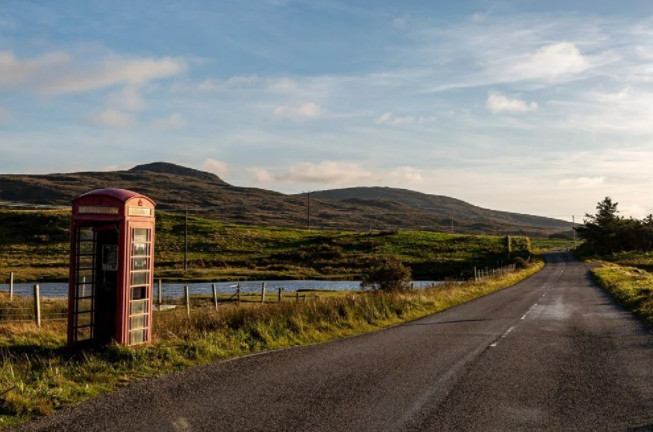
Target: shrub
<point x="388" y="274"/>
<point x="522" y="263"/>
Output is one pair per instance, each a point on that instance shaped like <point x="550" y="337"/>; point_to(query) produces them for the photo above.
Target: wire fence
<point x="33" y="308"/>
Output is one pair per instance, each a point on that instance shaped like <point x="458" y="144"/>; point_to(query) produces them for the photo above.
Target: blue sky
<point x="529" y="106"/>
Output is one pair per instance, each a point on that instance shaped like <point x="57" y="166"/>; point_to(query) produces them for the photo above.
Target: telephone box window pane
<point x="139" y="307"/>
<point x="84" y="319"/>
<point x="85" y="276"/>
<point x="138" y="322"/>
<point x="139" y="249"/>
<point x="141" y="235"/>
<point x="138" y="293"/>
<point x="140" y="278"/>
<point x="86" y="262"/>
<point x="139" y="264"/>
<point x="84" y="305"/>
<point x="86" y="233"/>
<point x="86" y="248"/>
<point x="84" y="290"/>
<point x="84" y="333"/>
<point x="137" y="337"/>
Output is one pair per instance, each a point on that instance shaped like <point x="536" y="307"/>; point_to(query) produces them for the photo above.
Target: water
<point x="171" y="290"/>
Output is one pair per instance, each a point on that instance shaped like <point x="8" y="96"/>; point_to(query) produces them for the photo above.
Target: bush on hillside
<point x="388" y="274"/>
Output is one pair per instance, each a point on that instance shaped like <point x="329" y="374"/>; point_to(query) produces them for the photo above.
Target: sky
<point x="527" y="106"/>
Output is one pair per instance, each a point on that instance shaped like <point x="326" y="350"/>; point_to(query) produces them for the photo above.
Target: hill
<point x="176" y="187"/>
<point x="34" y="245"/>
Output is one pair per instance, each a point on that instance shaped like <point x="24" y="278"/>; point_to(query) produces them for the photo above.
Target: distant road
<point x="551" y="353"/>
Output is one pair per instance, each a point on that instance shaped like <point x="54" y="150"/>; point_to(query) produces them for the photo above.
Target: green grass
<point x="547" y="244"/>
<point x="631" y="287"/>
<point x="641" y="260"/>
<point x="34" y="245"/>
<point x="39" y="375"/>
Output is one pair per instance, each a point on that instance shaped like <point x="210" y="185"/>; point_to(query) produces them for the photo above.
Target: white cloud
<point x="406" y="174"/>
<point x="552" y="61"/>
<point x="248" y="82"/>
<point x="233" y="83"/>
<point x="305" y="110"/>
<point x="173" y="121"/>
<point x="56" y="72"/>
<point x="582" y="182"/>
<point x="111" y="118"/>
<point x="339" y="172"/>
<point x="633" y="210"/>
<point x="628" y="111"/>
<point x="216" y="167"/>
<point x="261" y="175"/>
<point x="390" y="119"/>
<point x="129" y="98"/>
<point x="325" y="172"/>
<point x="479" y="17"/>
<point x="496" y="103"/>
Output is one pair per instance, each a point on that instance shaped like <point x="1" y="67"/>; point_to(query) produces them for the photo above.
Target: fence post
<point x="37" y="306"/>
<point x="11" y="286"/>
<point x="160" y="294"/>
<point x="297" y="296"/>
<point x="187" y="300"/>
<point x="238" y="292"/>
<point x="215" y="296"/>
<point x="475" y="278"/>
<point x="263" y="293"/>
<point x="280" y="294"/>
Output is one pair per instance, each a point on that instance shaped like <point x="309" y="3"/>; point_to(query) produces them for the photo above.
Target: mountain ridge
<point x="176" y="187"/>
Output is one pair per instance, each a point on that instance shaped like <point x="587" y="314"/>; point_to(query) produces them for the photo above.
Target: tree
<point x="388" y="274"/>
<point x="601" y="231"/>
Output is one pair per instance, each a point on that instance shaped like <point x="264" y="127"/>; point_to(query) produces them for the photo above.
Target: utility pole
<point x="308" y="210"/>
<point x="573" y="228"/>
<point x="186" y="240"/>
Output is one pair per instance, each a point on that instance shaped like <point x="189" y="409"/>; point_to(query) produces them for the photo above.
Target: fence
<point x="485" y="273"/>
<point x="33" y="308"/>
<point x="238" y="297"/>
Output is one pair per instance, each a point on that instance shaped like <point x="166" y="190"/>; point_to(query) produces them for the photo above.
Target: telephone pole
<point x="186" y="239"/>
<point x="308" y="210"/>
<point x="573" y="228"/>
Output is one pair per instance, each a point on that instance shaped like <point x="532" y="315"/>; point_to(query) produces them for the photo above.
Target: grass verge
<point x="630" y="286"/>
<point x="39" y="375"/>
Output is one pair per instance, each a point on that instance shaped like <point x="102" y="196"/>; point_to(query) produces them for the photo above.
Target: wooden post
<point x="11" y="286"/>
<point x="238" y="292"/>
<point x="263" y="293"/>
<point x="160" y="293"/>
<point x="187" y="300"/>
<point x="296" y="296"/>
<point x="215" y="296"/>
<point x="475" y="277"/>
<point x="37" y="306"/>
<point x="280" y="295"/>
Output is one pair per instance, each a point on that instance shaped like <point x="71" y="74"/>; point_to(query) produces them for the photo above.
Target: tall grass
<point x="39" y="375"/>
<point x="631" y="287"/>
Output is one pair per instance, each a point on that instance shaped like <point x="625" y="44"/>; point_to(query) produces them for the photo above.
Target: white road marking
<point x="502" y="336"/>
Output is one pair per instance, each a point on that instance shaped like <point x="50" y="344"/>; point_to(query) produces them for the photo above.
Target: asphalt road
<point x="551" y="353"/>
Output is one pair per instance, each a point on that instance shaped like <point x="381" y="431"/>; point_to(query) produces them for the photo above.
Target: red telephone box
<point x="111" y="268"/>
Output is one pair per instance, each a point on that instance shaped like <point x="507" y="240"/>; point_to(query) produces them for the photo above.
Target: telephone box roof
<point x="120" y="194"/>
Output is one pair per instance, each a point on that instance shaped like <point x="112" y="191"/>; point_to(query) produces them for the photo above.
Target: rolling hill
<point x="176" y="187"/>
